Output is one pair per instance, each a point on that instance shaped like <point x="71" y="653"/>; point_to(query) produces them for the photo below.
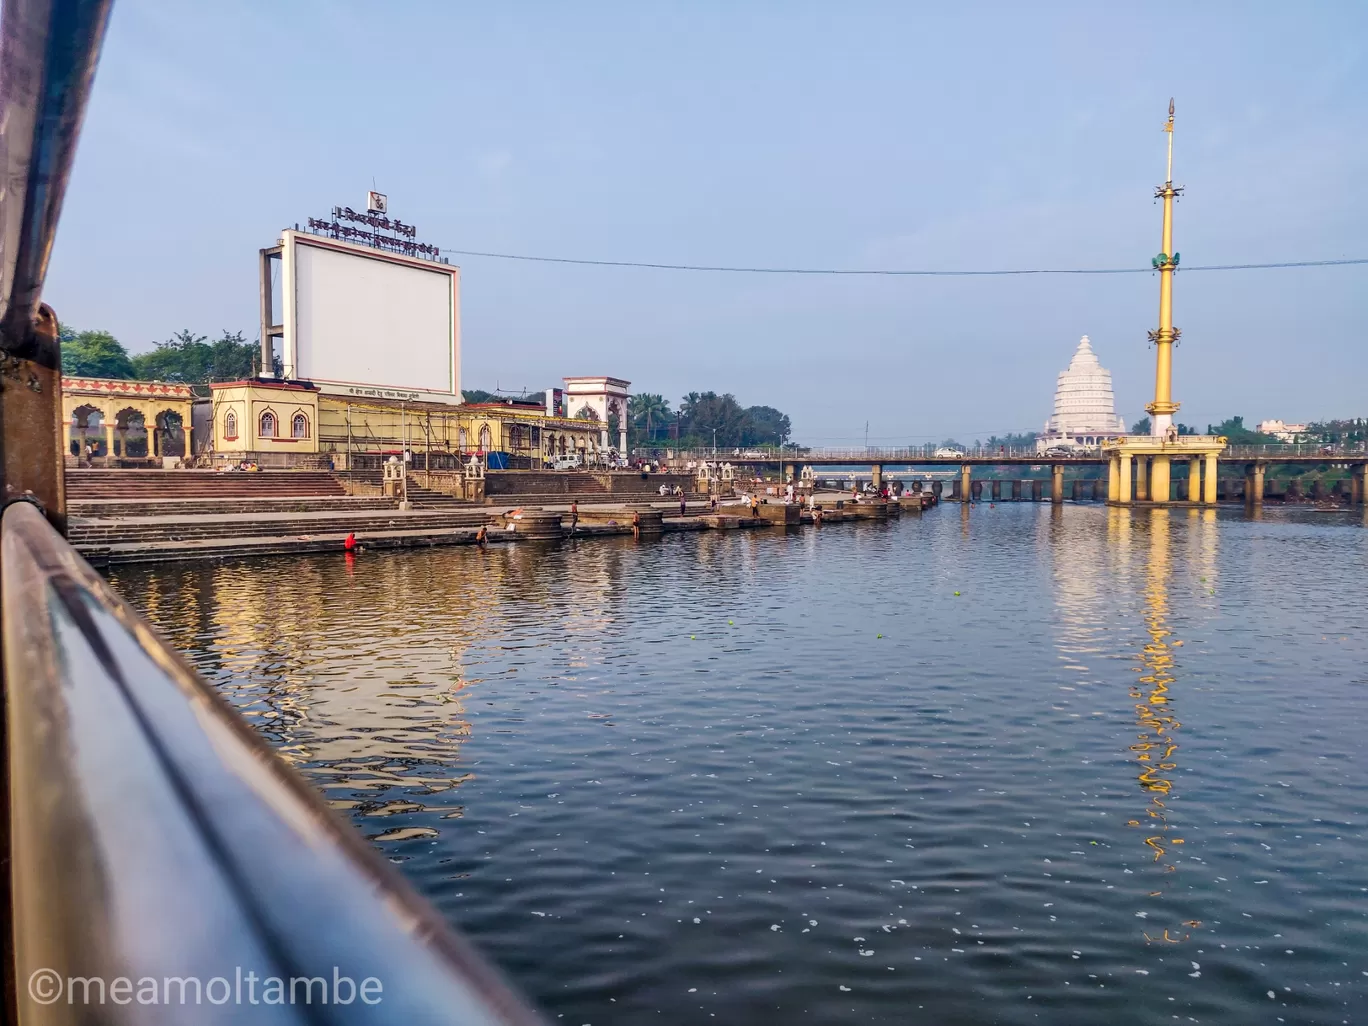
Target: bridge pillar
<point x="1209" y="495"/>
<point x="1194" y="479"/>
<point x="976" y="490"/>
<point x="1254" y="484"/>
<point x="1358" y="484"/>
<point x="964" y="483"/>
<point x="1016" y="491"/>
<point x="1037" y="490"/>
<point x="878" y="477"/>
<point x="1056" y="482"/>
<point x="1124" y="468"/>
<point x="937" y="487"/>
<point x="1142" y="479"/>
<point x="1161" y="489"/>
<point x="997" y="490"/>
<point x="1114" y="479"/>
<point x="1097" y="490"/>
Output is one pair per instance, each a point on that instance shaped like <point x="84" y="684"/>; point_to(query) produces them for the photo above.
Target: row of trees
<point x="704" y="418"/>
<point x="185" y="357"/>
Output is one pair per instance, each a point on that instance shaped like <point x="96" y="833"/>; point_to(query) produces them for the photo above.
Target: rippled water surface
<point x="1005" y="764"/>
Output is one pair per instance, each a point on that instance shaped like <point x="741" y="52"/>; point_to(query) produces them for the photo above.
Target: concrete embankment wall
<point x="548" y="482"/>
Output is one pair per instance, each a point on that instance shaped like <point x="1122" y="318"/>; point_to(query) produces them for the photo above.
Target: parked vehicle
<point x="1064" y="450"/>
<point x="567" y="461"/>
<point x="947" y="453"/>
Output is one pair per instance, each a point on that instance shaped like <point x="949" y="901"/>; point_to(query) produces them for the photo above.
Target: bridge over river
<point x="1254" y="461"/>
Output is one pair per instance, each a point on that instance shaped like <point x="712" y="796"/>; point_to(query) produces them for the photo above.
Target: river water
<point x="1007" y="764"/>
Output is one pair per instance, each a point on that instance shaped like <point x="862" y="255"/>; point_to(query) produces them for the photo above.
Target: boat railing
<point x="160" y="862"/>
<point x="159" y="847"/>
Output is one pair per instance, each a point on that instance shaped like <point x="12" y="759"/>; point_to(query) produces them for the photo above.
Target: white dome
<point x="1084" y="402"/>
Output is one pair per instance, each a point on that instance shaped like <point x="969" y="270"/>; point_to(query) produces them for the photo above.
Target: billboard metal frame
<point x="287" y="327"/>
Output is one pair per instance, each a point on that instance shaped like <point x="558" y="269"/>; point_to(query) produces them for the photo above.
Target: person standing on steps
<point x="574" y="516"/>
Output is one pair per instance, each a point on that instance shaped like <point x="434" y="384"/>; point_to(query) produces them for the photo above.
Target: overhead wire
<point x="889" y="272"/>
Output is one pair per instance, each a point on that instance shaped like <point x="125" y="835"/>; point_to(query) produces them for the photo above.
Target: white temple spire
<point x="1084" y="405"/>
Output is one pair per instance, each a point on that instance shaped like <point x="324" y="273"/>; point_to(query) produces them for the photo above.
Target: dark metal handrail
<point x="156" y="836"/>
<point x="148" y="837"/>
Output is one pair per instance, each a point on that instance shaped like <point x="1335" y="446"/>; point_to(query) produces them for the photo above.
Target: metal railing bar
<point x="119" y="752"/>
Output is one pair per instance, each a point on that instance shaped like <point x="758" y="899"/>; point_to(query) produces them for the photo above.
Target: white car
<point x="567" y="461"/>
<point x="946" y="453"/>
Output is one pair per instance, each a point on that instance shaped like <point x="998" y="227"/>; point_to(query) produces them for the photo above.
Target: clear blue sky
<point x="860" y="134"/>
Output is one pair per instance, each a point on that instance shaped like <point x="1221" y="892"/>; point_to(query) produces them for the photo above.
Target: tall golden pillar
<point x="1162" y="409"/>
<point x="1155" y="452"/>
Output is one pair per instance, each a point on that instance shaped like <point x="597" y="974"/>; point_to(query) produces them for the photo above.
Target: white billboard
<point x="364" y="322"/>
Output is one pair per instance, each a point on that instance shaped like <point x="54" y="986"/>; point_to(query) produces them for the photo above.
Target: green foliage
<point x="702" y="413"/>
<point x="587" y="413"/>
<point x="1336" y="431"/>
<point x="1234" y="429"/>
<point x="96" y="354"/>
<point x="1141" y="426"/>
<point x="649" y="415"/>
<point x="478" y="395"/>
<point x="193" y="359"/>
<point x="1025" y="440"/>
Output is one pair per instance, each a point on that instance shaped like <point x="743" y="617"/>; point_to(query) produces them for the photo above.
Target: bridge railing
<point x="860" y="454"/>
<point x="1300" y="449"/>
<point x="928" y="453"/>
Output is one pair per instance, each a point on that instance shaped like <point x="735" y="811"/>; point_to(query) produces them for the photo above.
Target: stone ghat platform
<point x="156" y="485"/>
<point x="109" y="539"/>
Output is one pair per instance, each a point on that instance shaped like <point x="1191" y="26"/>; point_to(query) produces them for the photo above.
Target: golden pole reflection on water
<point x="1156" y="744"/>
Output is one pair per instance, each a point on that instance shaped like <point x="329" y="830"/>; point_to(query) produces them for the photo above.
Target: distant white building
<point x="1084" y="404"/>
<point x="1282" y="432"/>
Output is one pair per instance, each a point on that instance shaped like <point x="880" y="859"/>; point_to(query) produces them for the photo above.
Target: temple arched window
<point x="299" y="426"/>
<point x="267" y="426"/>
<point x="229" y="426"/>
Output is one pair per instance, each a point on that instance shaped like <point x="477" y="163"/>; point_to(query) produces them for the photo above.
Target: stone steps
<point x="206" y="484"/>
<point x="104" y="508"/>
<point x="88" y="534"/>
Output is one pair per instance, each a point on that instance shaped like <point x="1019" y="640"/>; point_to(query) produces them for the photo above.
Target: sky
<point x="852" y="135"/>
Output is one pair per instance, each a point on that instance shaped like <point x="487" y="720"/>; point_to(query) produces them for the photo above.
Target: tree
<point x="648" y="413"/>
<point x="764" y="425"/>
<point x="1141" y="426"/>
<point x="96" y="354"/>
<point x="478" y="395"/>
<point x="587" y="413"/>
<point x="1024" y="440"/>
<point x="193" y="359"/>
<point x="1234" y="429"/>
<point x="1335" y="431"/>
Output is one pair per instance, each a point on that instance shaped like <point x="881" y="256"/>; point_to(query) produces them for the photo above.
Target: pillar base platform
<point x="1138" y="469"/>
